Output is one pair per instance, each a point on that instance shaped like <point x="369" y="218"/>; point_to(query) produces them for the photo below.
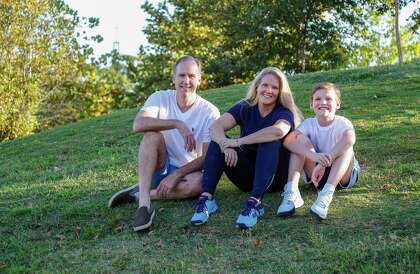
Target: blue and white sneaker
<point x="205" y="207"/>
<point x="251" y="213"/>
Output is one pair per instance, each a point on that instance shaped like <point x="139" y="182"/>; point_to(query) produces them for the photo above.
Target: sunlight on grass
<point x="54" y="188"/>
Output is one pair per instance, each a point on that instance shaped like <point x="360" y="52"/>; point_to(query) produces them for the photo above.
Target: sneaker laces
<point x="326" y="199"/>
<point x="201" y="204"/>
<point x="288" y="195"/>
<point x="251" y="204"/>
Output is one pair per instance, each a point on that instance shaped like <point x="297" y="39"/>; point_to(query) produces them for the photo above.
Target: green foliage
<point x="238" y="38"/>
<point x="45" y="79"/>
<point x="53" y="203"/>
<point x="96" y="91"/>
<point x="38" y="52"/>
<point x="235" y="39"/>
<point x="19" y="101"/>
<point x="376" y="43"/>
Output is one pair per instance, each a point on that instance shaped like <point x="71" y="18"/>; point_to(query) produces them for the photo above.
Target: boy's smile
<point x="324" y="103"/>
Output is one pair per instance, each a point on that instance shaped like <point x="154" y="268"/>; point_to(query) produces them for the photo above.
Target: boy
<point x="323" y="147"/>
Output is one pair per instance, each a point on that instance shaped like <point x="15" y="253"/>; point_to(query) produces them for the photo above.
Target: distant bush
<point x="95" y="92"/>
<point x="19" y="103"/>
<point x="45" y="79"/>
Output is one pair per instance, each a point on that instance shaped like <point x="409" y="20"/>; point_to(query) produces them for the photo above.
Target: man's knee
<point x="152" y="137"/>
<point x="192" y="186"/>
<point x="153" y="140"/>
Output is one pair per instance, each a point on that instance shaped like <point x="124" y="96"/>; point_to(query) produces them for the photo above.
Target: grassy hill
<point x="54" y="188"/>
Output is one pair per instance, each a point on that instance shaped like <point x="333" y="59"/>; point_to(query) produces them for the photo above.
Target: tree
<point x="39" y="56"/>
<point x="397" y="30"/>
<point x="237" y="38"/>
<point x="378" y="43"/>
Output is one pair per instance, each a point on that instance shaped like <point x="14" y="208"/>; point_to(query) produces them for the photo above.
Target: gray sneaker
<point x="126" y="195"/>
<point x="144" y="218"/>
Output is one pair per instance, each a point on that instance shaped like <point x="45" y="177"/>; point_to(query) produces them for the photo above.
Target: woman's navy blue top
<point x="250" y="120"/>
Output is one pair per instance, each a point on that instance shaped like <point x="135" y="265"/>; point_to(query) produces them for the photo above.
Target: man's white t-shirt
<point x="163" y="105"/>
<point x="325" y="138"/>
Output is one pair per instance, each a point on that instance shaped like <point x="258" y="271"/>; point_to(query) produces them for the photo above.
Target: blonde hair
<point x="326" y="86"/>
<point x="285" y="97"/>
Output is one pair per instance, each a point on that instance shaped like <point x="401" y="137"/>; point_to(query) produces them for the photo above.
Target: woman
<point x="256" y="161"/>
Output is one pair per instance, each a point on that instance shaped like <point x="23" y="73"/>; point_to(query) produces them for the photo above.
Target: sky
<point x="123" y="21"/>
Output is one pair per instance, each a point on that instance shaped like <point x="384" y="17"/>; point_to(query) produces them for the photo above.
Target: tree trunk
<point x="397" y="30"/>
<point x="302" y="49"/>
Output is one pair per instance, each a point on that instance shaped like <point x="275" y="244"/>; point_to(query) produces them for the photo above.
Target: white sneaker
<point x="291" y="201"/>
<point x="323" y="201"/>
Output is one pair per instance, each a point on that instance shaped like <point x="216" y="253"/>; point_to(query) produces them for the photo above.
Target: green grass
<point x="54" y="188"/>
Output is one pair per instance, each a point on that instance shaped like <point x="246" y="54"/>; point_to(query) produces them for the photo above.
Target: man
<point x="176" y="136"/>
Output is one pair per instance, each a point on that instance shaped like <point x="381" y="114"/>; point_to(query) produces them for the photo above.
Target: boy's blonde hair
<point x="326" y="86"/>
<point x="285" y="97"/>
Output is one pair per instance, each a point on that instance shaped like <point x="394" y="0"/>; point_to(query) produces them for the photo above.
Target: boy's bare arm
<point x="299" y="143"/>
<point x="346" y="142"/>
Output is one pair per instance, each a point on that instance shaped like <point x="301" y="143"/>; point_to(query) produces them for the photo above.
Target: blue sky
<point x="123" y="21"/>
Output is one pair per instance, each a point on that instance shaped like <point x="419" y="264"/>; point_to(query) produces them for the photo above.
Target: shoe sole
<point x="287" y="213"/>
<point x="198" y="223"/>
<point x="111" y="200"/>
<point x="316" y="215"/>
<point x="145" y="226"/>
<point x="290" y="212"/>
<point x="244" y="226"/>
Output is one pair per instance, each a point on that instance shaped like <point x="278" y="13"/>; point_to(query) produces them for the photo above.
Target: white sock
<point x="329" y="187"/>
<point x="144" y="201"/>
<point x="291" y="186"/>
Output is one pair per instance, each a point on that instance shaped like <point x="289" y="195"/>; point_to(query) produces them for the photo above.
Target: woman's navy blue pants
<point x="260" y="168"/>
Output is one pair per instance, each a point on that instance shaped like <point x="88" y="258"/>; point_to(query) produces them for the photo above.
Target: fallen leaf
<point x="120" y="227"/>
<point x="300" y="247"/>
<point x="60" y="237"/>
<point x="393" y="237"/>
<point x="77" y="232"/>
<point x="63" y="157"/>
<point x="161" y="244"/>
<point x="256" y="242"/>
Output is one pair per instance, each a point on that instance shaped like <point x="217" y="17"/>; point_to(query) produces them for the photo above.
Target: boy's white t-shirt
<point x="325" y="138"/>
<point x="199" y="118"/>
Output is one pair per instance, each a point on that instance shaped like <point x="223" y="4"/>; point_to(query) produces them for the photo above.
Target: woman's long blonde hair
<point x="285" y="98"/>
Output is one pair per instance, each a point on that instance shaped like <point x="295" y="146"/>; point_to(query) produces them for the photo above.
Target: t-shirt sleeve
<point x="235" y="111"/>
<point x="285" y="114"/>
<point x="213" y="116"/>
<point x="345" y="125"/>
<point x="304" y="127"/>
<point x="152" y="104"/>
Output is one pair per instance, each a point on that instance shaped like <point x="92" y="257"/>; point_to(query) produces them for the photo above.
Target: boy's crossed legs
<point x="342" y="174"/>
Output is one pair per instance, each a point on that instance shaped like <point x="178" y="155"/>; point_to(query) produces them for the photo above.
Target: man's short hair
<point x="187" y="58"/>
